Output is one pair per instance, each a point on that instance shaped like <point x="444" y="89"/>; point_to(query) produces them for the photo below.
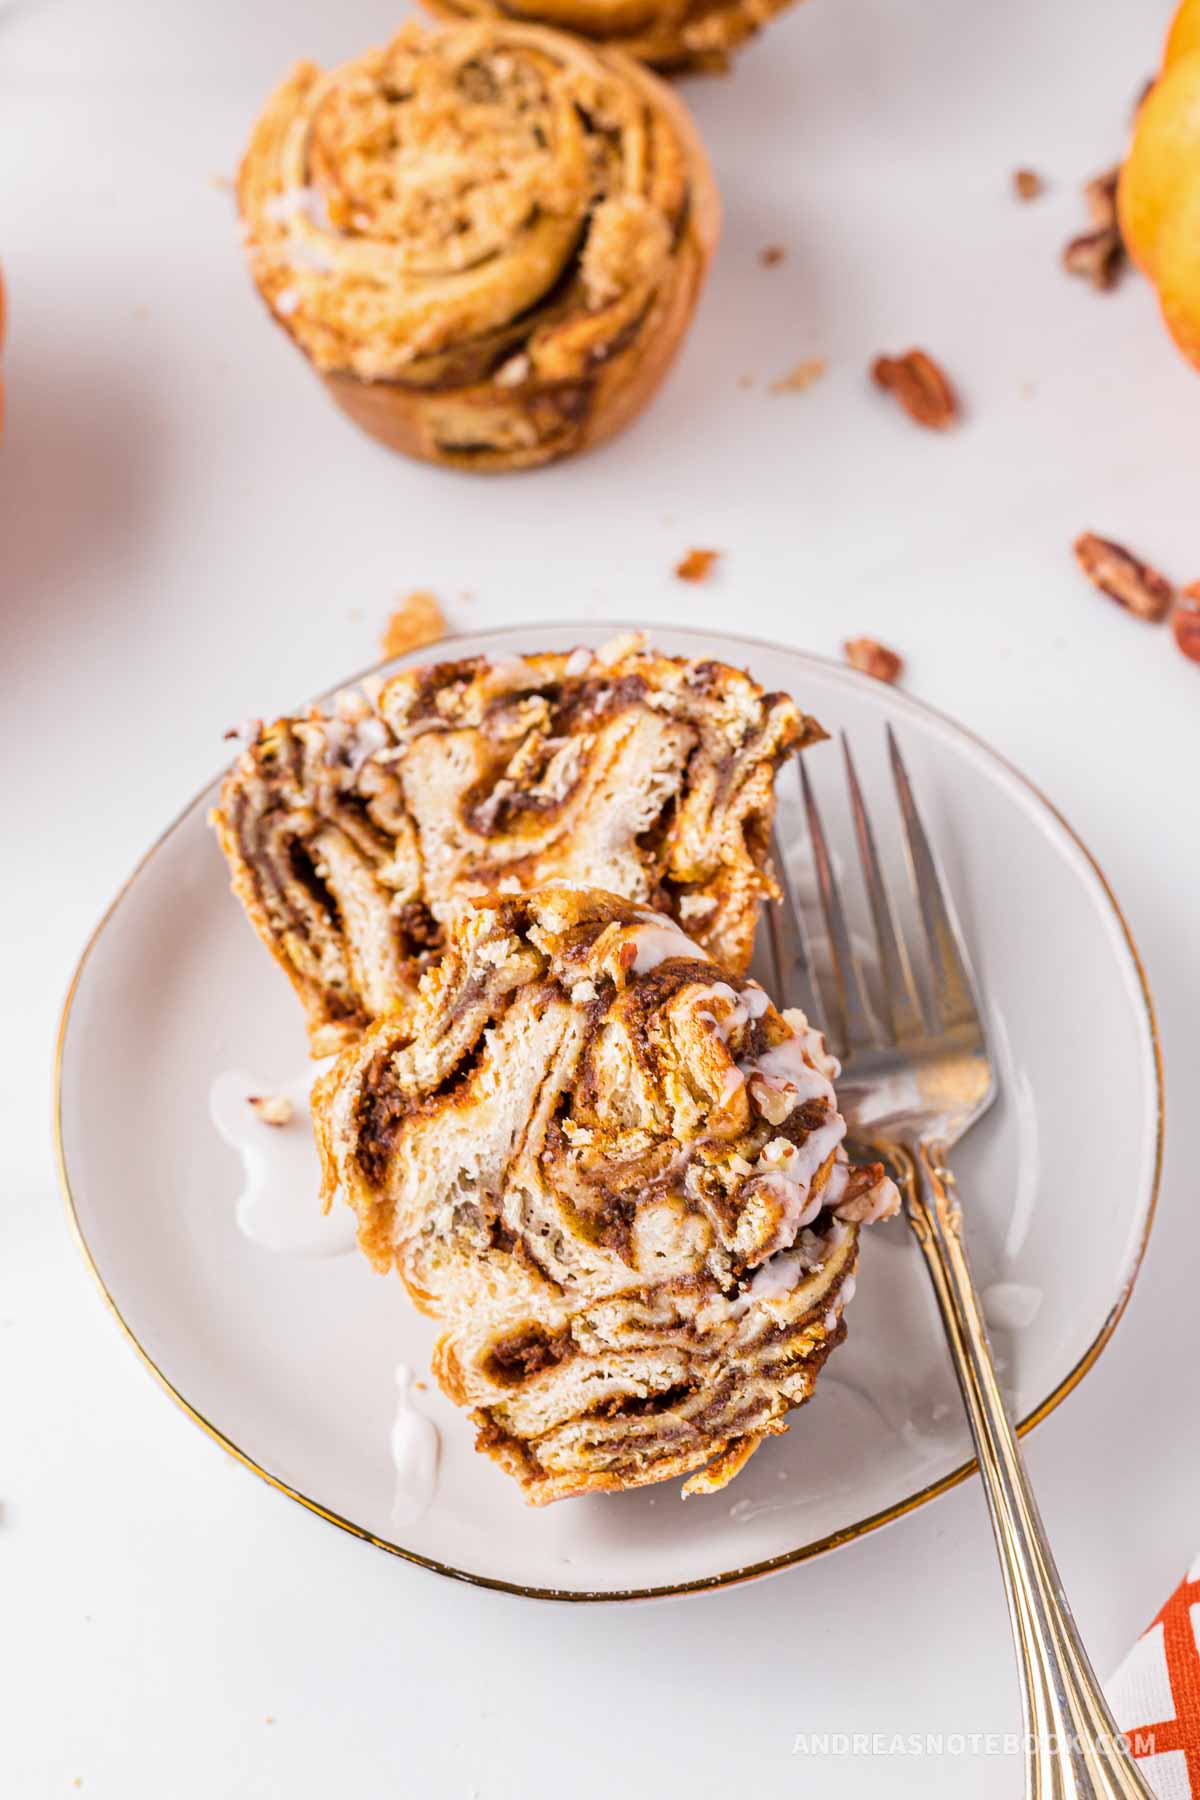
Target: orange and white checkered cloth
<point x="1155" y="1695"/>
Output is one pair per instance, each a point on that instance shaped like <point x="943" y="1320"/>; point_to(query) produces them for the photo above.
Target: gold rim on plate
<point x="750" y="1571"/>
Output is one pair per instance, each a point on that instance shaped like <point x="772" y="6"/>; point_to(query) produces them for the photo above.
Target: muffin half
<point x="616" y="1174"/>
<point x="352" y="835"/>
<point x="487" y="239"/>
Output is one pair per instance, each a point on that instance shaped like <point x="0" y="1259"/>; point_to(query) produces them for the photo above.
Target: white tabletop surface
<point x="190" y="534"/>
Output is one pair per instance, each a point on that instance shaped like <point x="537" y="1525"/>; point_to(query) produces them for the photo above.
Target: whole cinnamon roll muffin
<point x="684" y="36"/>
<point x="488" y="240"/>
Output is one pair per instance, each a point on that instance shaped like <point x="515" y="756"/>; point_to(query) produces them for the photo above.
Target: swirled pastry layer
<point x="487" y="238"/>
<point x="679" y="35"/>
<point x="616" y="1174"/>
<point x="351" y="836"/>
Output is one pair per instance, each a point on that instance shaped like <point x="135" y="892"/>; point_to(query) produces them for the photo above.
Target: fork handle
<point x="1073" y="1748"/>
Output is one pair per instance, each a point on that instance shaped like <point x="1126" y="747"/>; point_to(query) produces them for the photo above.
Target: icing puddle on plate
<point x="277" y="1208"/>
<point x="416" y="1448"/>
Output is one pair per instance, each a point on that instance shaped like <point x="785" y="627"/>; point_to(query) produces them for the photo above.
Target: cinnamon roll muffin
<point x="487" y="239"/>
<point x="683" y="36"/>
<point x="352" y="834"/>
<point x="616" y="1174"/>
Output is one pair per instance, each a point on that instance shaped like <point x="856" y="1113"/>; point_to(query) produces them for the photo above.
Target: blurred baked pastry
<point x="616" y="1174"/>
<point x="352" y="834"/>
<point x="685" y="36"/>
<point x="487" y="239"/>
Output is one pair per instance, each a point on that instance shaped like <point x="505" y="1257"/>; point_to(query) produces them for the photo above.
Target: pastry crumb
<point x="223" y="183"/>
<point x="873" y="658"/>
<point x="745" y="381"/>
<point x="1027" y="184"/>
<point x="272" y="1109"/>
<point x="801" y="377"/>
<point x="417" y="621"/>
<point x="697" y="565"/>
<point x="772" y="256"/>
<point x="615" y="650"/>
<point x="248" y="732"/>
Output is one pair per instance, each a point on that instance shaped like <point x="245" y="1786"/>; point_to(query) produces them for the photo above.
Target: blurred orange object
<point x="1158" y="197"/>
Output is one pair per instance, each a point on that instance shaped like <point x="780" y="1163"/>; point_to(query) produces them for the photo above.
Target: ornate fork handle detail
<point x="1074" y="1749"/>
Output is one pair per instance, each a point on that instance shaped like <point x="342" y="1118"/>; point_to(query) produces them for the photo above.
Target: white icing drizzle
<point x="278" y="1207"/>
<point x="733" y="1084"/>
<point x="657" y="941"/>
<point x="838" y="1179"/>
<point x="578" y="663"/>
<point x="774" y="1278"/>
<point x="416" y="1447"/>
<point x="788" y="1268"/>
<point x="755" y="1000"/>
<point x="353" y="741"/>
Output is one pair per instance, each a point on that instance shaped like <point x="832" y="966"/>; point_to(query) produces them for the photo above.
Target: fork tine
<point x="953" y="984"/>
<point x="790" y="953"/>
<point x="901" y="1005"/>
<point x="858" y="1030"/>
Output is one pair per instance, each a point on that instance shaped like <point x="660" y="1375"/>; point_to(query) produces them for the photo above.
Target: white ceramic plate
<point x="288" y="1361"/>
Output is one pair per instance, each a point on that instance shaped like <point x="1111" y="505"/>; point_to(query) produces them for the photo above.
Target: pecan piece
<point x="272" y="1109"/>
<point x="1098" y="255"/>
<point x="921" y="387"/>
<point x="696" y="565"/>
<point x="1027" y="184"/>
<point x="1185" y="621"/>
<point x="1100" y="195"/>
<point x="873" y="658"/>
<point x="1123" y="577"/>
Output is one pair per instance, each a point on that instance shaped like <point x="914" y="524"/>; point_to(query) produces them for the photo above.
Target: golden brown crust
<point x="488" y="240"/>
<point x="680" y="36"/>
<point x="351" y="836"/>
<point x="617" y="1176"/>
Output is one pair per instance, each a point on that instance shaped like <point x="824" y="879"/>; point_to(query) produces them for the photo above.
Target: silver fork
<point x="915" y="1077"/>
